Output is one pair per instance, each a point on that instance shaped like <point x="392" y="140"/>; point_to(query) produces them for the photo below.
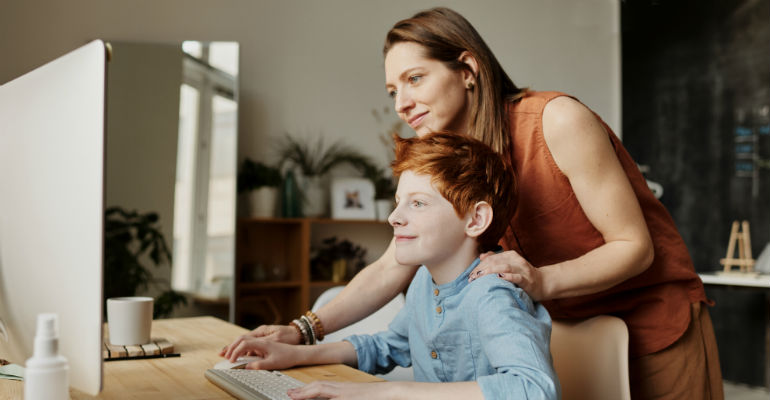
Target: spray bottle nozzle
<point x="47" y="335"/>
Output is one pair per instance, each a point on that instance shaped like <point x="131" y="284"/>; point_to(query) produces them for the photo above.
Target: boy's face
<point x="425" y="226"/>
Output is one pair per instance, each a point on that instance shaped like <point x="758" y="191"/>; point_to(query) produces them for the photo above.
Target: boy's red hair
<point x="465" y="171"/>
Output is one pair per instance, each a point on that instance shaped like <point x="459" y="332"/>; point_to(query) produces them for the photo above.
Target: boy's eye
<point x="414" y="78"/>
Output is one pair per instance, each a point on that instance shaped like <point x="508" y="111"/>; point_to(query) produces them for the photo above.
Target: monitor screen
<point x="51" y="209"/>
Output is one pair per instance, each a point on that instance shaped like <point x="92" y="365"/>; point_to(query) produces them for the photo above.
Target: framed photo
<point x="352" y="198"/>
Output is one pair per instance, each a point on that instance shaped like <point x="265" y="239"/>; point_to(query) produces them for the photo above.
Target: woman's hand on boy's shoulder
<point x="512" y="267"/>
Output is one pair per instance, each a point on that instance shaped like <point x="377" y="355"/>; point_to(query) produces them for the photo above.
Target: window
<point x="204" y="200"/>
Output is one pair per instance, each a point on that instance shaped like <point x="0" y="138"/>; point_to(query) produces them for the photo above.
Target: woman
<point x="587" y="237"/>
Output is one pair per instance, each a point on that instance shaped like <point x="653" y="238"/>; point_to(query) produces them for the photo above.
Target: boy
<point x="484" y="339"/>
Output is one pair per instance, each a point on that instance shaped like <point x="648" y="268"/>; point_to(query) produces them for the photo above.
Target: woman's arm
<point x="583" y="152"/>
<point x="370" y="289"/>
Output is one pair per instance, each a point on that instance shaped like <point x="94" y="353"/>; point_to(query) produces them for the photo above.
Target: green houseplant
<point x="254" y="175"/>
<point x="314" y="160"/>
<point x="132" y="242"/>
<point x="261" y="182"/>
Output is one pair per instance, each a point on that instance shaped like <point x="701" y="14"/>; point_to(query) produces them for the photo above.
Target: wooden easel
<point x="739" y="235"/>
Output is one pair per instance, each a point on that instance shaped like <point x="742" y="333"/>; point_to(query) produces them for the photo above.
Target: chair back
<point x="591" y="358"/>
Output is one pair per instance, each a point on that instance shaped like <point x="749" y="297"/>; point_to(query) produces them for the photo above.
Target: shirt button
<point x="433" y="354"/>
<point x="435" y="292"/>
<point x="438" y="310"/>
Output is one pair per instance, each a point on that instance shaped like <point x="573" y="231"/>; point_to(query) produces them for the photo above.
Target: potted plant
<point x="132" y="242"/>
<point x="337" y="260"/>
<point x="314" y="161"/>
<point x="261" y="182"/>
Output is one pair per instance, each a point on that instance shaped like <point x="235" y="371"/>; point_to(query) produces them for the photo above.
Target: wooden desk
<point x="761" y="281"/>
<point x="198" y="340"/>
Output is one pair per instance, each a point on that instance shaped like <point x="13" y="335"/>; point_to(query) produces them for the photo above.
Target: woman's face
<point x="428" y="96"/>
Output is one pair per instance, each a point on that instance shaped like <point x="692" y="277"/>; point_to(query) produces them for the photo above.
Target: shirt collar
<point x="458" y="284"/>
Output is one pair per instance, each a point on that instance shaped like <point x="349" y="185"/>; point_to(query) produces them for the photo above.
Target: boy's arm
<point x="389" y="390"/>
<point x="380" y="352"/>
<point x="515" y="336"/>
<point x="275" y="355"/>
<point x="329" y="353"/>
<point x="376" y="353"/>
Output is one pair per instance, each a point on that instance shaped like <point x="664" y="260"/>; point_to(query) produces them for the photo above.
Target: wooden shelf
<point x="270" y="285"/>
<point x="272" y="263"/>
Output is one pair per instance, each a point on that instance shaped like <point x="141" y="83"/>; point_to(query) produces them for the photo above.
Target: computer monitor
<point x="52" y="211"/>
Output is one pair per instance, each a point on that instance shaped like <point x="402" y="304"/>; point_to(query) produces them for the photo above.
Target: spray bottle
<point x="46" y="374"/>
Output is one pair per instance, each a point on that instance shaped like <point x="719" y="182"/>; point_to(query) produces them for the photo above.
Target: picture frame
<point x="352" y="198"/>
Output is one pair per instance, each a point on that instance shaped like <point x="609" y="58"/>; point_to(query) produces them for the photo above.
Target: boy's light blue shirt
<point x="488" y="331"/>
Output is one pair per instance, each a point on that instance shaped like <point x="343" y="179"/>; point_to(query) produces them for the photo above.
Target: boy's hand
<point x="273" y="355"/>
<point x="512" y="267"/>
<point x="338" y="390"/>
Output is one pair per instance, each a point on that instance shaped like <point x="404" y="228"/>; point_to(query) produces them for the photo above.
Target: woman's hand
<point x="277" y="333"/>
<point x="512" y="267"/>
<point x="272" y="355"/>
<point x="337" y="390"/>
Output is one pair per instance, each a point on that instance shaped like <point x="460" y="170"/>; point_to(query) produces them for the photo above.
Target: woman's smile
<point x="416" y="120"/>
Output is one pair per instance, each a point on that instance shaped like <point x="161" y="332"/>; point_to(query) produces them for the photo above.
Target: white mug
<point x="129" y="320"/>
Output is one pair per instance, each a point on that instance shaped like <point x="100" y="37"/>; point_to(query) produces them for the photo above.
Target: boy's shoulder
<point x="491" y="287"/>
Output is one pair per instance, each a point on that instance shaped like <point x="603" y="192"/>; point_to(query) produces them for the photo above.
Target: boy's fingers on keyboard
<point x="241" y="347"/>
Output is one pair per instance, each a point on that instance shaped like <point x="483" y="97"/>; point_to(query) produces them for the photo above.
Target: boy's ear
<point x="479" y="219"/>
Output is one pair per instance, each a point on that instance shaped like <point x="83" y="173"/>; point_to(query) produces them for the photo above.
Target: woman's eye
<point x="414" y="79"/>
<point x="392" y="94"/>
<point x="418" y="203"/>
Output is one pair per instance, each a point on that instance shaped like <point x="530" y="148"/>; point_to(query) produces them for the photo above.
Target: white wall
<point x="315" y="67"/>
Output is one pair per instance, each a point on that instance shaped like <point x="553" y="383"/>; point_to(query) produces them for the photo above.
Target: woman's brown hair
<point x="445" y="35"/>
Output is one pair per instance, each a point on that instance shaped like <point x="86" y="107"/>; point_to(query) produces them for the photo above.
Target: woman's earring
<point x="469" y="85"/>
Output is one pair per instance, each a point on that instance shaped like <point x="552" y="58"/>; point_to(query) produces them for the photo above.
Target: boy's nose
<point x="394" y="219"/>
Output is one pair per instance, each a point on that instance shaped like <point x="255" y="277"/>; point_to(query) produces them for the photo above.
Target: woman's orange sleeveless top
<point x="549" y="227"/>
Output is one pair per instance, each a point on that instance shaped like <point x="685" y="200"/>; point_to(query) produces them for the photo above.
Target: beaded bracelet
<point x="299" y="331"/>
<point x="311" y="330"/>
<point x="303" y="329"/>
<point x="319" y="328"/>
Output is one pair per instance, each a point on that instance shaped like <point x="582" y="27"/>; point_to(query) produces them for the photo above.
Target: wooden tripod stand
<point x="740" y="237"/>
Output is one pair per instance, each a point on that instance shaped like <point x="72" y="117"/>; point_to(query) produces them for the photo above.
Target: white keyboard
<point x="247" y="384"/>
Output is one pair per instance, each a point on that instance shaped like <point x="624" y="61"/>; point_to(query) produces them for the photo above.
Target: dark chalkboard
<point x="696" y="85"/>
